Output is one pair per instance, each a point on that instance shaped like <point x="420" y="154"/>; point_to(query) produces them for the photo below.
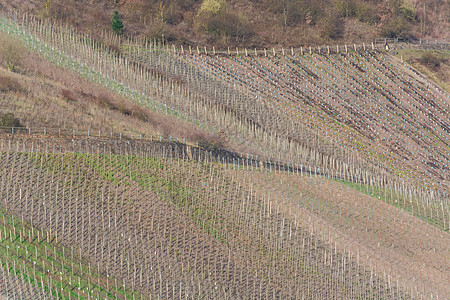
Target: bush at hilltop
<point x="221" y="23"/>
<point x="213" y="6"/>
<point x="8" y="120"/>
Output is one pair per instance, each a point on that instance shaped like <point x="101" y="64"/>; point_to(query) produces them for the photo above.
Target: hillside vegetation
<point x="148" y="171"/>
<point x="39" y="94"/>
<point x="253" y="23"/>
<point x="433" y="64"/>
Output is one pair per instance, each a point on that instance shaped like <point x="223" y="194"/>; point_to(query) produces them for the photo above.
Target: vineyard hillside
<point x="129" y="218"/>
<point x="135" y="169"/>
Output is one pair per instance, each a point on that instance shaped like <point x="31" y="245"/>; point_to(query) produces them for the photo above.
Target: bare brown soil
<point x="171" y="226"/>
<point x="232" y="234"/>
<point x="384" y="237"/>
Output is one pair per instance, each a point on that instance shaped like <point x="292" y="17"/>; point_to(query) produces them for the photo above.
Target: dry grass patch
<point x="435" y="64"/>
<point x="8" y="84"/>
<point x="60" y="98"/>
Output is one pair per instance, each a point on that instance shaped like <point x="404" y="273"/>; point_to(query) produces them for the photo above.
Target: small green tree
<point x="116" y="23"/>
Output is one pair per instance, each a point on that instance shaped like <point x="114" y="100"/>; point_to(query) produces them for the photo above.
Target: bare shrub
<point x="172" y="14"/>
<point x="140" y="114"/>
<point x="108" y="102"/>
<point x="8" y="120"/>
<point x="229" y="25"/>
<point x="8" y="84"/>
<point x="431" y="60"/>
<point x="221" y="23"/>
<point x="161" y="31"/>
<point x="397" y="27"/>
<point x="113" y="48"/>
<point x="12" y="52"/>
<point x="214" y="7"/>
<point x="209" y="142"/>
<point x="68" y="96"/>
<point x="332" y="27"/>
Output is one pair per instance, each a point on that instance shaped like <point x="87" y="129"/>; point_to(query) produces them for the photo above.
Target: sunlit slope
<point x="169" y="220"/>
<point x="361" y="111"/>
<point x="163" y="224"/>
<point x="368" y="102"/>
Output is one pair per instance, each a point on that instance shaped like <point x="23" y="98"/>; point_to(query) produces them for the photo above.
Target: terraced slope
<point x="361" y="111"/>
<point x="382" y="111"/>
<point x="347" y="199"/>
<point x="152" y="221"/>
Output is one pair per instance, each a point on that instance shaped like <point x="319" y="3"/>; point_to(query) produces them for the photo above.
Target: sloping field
<point x="147" y="219"/>
<point x="379" y="109"/>
<point x="362" y="111"/>
<point x="331" y="180"/>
